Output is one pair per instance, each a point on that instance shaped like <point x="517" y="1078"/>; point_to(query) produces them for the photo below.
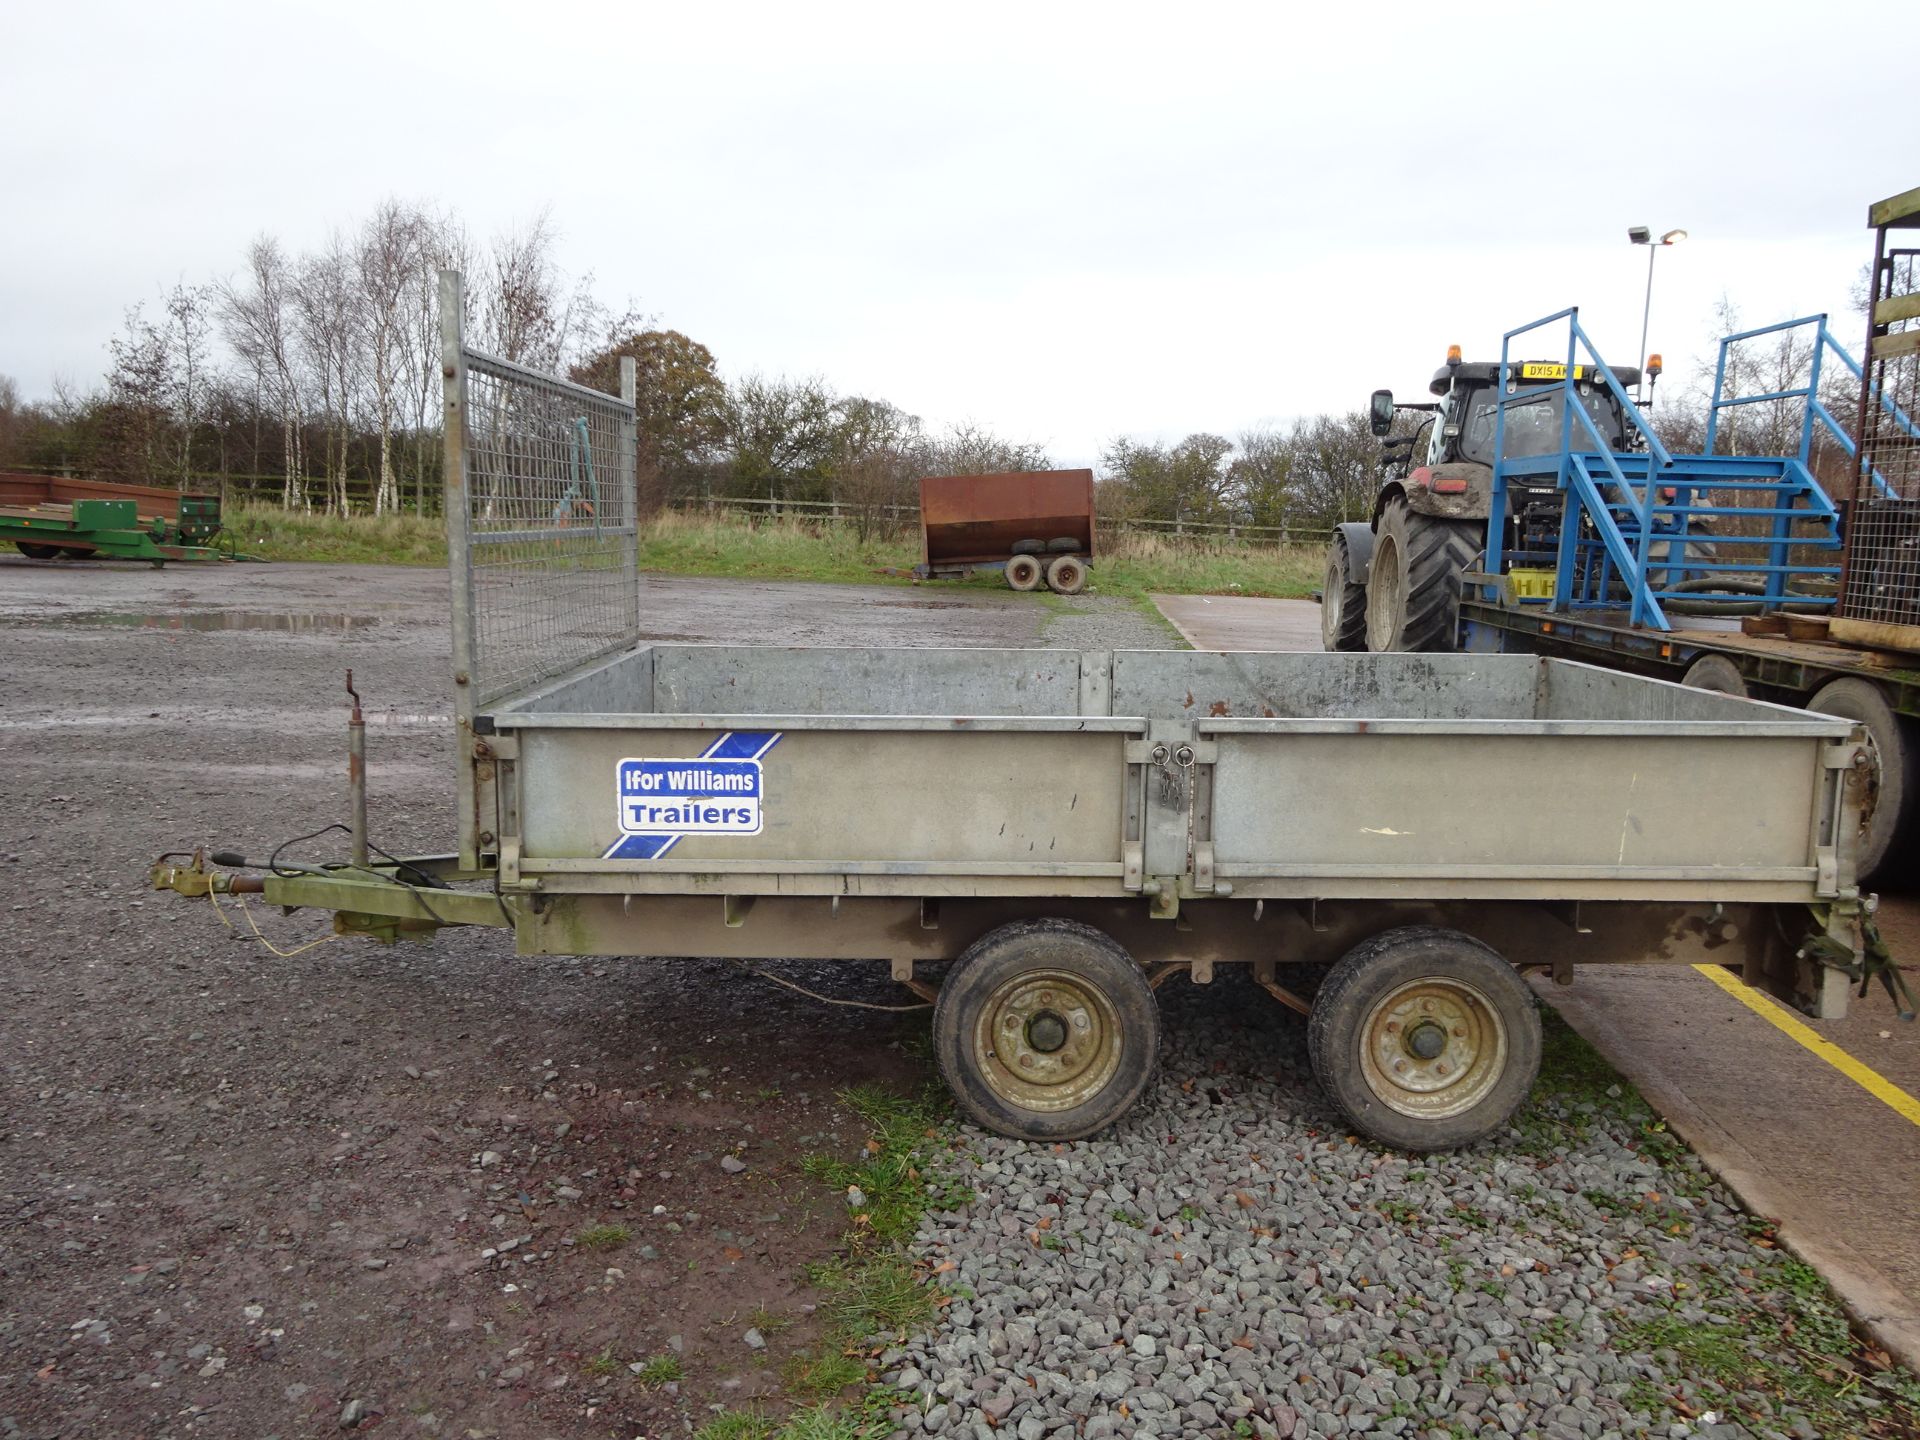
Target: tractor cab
<point x="1463" y="420"/>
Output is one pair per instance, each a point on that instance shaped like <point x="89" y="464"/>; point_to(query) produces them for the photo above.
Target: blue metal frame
<point x="1816" y="409"/>
<point x="1639" y="534"/>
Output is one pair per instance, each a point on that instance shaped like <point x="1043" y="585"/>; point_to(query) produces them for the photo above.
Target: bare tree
<point x="528" y="312"/>
<point x="330" y="324"/>
<point x="387" y="275"/>
<point x="256" y="318"/>
<point x="192" y="378"/>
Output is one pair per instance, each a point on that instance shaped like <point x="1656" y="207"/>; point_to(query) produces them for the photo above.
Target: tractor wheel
<point x="1066" y="574"/>
<point x="1343" y="601"/>
<point x="1046" y="1030"/>
<point x="36" y="552"/>
<point x="1413" y="585"/>
<point x="1718" y="674"/>
<point x="1425" y="1038"/>
<point x="1023" y="572"/>
<point x="1892" y="786"/>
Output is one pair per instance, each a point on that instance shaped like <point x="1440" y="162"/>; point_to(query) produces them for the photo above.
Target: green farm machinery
<point x="52" y="518"/>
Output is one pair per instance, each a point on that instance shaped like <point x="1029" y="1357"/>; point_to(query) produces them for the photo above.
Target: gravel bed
<point x="1230" y="1259"/>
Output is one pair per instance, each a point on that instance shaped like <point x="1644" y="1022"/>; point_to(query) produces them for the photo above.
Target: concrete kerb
<point x="1886" y="1315"/>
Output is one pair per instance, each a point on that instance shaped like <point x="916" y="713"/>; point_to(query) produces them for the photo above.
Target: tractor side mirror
<point x="1380" y="411"/>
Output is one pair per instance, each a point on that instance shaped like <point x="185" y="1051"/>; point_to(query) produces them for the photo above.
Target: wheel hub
<point x="1433" y="1047"/>
<point x="1047" y="1040"/>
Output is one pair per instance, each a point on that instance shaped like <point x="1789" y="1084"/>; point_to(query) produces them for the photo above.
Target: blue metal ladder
<point x="1648" y="521"/>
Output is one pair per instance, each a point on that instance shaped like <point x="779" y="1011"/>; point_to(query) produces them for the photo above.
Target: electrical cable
<point x="830" y="1000"/>
<point x="254" y="926"/>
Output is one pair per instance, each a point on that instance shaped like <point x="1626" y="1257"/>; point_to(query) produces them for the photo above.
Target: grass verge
<point x="271" y="533"/>
<point x="874" y="1292"/>
<point x="784" y="548"/>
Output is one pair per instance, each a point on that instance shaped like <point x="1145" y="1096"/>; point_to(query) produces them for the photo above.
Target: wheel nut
<point x="1440" y="1069"/>
<point x="1026" y="1062"/>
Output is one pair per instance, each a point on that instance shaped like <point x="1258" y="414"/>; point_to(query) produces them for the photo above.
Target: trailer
<point x="1037" y="526"/>
<point x="1035" y="841"/>
<point x="58" y="518"/>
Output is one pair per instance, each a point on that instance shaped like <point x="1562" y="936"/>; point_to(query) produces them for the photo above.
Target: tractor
<point x="1393" y="582"/>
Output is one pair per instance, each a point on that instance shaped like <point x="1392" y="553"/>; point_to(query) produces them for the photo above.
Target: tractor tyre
<point x="1413" y="585"/>
<point x="1343" y="601"/>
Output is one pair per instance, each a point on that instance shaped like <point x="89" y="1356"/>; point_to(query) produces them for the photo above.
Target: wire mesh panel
<point x="1882" y="582"/>
<point x="550" y="526"/>
<point x="542" y="544"/>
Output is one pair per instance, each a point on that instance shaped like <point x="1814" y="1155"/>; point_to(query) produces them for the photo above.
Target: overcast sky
<point x="1064" y="222"/>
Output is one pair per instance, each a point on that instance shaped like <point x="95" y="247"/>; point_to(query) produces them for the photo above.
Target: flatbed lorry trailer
<point x="1052" y="835"/>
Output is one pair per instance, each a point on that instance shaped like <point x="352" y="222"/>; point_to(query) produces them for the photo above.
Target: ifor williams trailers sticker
<point x="721" y="791"/>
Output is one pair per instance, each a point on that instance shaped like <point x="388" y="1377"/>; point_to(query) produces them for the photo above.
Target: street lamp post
<point x="1641" y="235"/>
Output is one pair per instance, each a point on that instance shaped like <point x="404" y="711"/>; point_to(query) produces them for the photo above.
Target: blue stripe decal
<point x="733" y="745"/>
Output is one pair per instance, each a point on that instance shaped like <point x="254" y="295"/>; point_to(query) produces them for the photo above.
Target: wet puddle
<point x="300" y="621"/>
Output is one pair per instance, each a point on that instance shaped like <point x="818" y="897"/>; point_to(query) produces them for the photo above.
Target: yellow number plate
<point x="1537" y="371"/>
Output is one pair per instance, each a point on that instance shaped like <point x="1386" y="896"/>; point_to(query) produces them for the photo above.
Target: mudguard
<point x="1359" y="537"/>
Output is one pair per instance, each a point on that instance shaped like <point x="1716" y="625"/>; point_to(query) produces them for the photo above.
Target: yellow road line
<point x="1875" y="1084"/>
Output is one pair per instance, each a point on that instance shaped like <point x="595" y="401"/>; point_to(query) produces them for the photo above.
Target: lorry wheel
<point x="36" y="552"/>
<point x="1413" y="584"/>
<point x="1343" y="601"/>
<point x="1046" y="1030"/>
<point x="1892" y="784"/>
<point x="1023" y="572"/>
<point x="1425" y="1038"/>
<point x="1066" y="574"/>
<point x="1718" y="674"/>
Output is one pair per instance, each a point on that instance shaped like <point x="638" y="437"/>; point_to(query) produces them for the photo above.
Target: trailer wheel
<point x="1066" y="574"/>
<point x="1063" y="545"/>
<point x="1028" y="547"/>
<point x="1046" y="1030"/>
<point x="1425" y="1038"/>
<point x="1718" y="674"/>
<point x="1023" y="572"/>
<point x="1891" y="784"/>
<point x="36" y="552"/>
<point x="1413" y="583"/>
<point x="1343" y="601"/>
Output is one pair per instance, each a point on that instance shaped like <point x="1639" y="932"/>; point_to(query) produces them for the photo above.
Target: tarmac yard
<point x="261" y="1182"/>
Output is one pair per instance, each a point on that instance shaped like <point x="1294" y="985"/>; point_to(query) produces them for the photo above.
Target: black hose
<point x="1681" y="606"/>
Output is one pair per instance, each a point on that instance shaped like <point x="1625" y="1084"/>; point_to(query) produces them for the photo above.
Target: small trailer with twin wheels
<point x="1034" y="526"/>
<point x="1036" y="840"/>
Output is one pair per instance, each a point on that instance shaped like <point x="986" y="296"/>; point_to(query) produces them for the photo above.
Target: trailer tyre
<point x="1046" y="1030"/>
<point x="1718" y="674"/>
<point x="36" y="552"/>
<point x="1888" y="827"/>
<point x="1066" y="574"/>
<point x="1343" y="601"/>
<point x="1425" y="1038"/>
<point x="1023" y="572"/>
<point x="1028" y="547"/>
<point x="1064" y="545"/>
<point x="1413" y="583"/>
